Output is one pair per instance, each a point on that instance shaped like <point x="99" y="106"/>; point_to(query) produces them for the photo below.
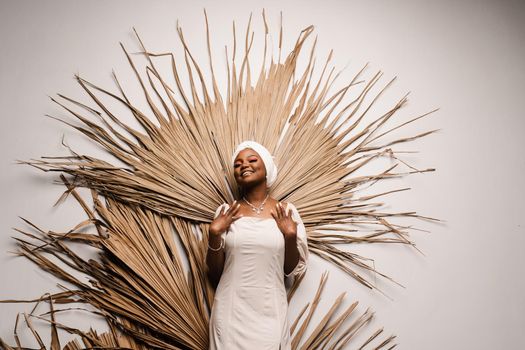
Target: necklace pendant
<point x="257" y="210"/>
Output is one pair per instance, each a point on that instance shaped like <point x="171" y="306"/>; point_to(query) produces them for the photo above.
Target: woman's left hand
<point x="284" y="221"/>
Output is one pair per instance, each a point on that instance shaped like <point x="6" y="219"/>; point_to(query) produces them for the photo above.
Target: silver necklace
<point x="258" y="209"/>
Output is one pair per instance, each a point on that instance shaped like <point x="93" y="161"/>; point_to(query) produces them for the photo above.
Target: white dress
<point x="250" y="307"/>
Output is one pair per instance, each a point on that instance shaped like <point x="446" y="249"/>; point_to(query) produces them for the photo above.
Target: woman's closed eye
<point x="254" y="160"/>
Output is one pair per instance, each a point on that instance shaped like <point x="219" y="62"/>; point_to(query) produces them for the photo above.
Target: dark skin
<point x="250" y="174"/>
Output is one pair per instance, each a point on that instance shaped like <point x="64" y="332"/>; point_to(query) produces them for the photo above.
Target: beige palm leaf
<point x="152" y="213"/>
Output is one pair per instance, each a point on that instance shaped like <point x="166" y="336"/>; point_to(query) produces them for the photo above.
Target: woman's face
<point x="249" y="168"/>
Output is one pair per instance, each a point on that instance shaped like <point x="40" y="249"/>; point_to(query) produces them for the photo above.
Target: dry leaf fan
<point x="150" y="209"/>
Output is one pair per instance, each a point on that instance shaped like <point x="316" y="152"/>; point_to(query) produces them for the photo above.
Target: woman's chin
<point x="248" y="182"/>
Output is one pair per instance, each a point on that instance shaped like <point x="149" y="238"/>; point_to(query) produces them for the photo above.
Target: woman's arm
<point x="291" y="254"/>
<point x="216" y="236"/>
<point x="215" y="258"/>
<point x="294" y="234"/>
<point x="296" y="250"/>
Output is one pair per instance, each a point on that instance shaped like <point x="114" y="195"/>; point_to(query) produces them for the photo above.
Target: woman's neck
<point x="257" y="194"/>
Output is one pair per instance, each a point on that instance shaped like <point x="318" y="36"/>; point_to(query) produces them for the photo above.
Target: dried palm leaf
<point x="152" y="210"/>
<point x="181" y="165"/>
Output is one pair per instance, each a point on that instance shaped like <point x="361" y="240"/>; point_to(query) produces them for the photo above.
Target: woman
<point x="253" y="245"/>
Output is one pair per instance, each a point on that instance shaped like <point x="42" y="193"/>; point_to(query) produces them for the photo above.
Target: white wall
<point x="466" y="57"/>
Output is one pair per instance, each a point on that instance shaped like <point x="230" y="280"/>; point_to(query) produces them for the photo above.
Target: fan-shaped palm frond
<point x="152" y="209"/>
<point x="181" y="166"/>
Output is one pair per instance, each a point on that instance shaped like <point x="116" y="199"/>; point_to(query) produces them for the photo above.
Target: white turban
<point x="266" y="157"/>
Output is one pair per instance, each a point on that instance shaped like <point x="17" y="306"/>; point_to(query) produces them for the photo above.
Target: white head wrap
<point x="266" y="157"/>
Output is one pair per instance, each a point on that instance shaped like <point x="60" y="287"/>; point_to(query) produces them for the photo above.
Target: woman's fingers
<point x="279" y="210"/>
<point x="286" y="212"/>
<point x="230" y="209"/>
<point x="233" y="209"/>
<point x="237" y="207"/>
<point x="236" y="217"/>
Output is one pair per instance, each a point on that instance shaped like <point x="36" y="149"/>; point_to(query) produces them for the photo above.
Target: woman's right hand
<point x="222" y="222"/>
